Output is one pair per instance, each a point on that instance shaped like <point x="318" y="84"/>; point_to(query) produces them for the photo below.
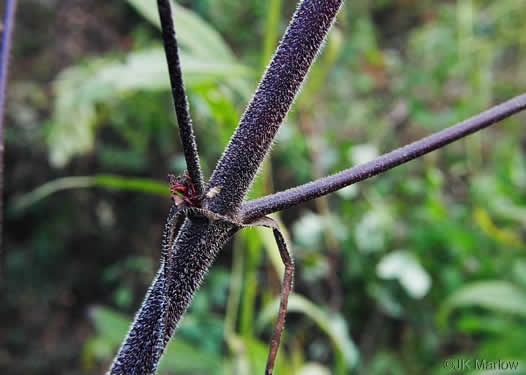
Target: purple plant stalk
<point x="7" y="35"/>
<point x="323" y="186"/>
<point x="193" y="236"/>
<point x="186" y="131"/>
<point x="250" y="144"/>
<point x="201" y="237"/>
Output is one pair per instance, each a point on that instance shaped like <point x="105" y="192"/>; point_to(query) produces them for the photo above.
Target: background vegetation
<point x="394" y="275"/>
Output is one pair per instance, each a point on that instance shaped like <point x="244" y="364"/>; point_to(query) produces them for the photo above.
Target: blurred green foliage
<point x="394" y="275"/>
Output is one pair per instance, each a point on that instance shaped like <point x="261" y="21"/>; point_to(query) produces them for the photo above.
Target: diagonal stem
<point x="9" y="20"/>
<point x="274" y="96"/>
<point x="186" y="131"/>
<point x="291" y="197"/>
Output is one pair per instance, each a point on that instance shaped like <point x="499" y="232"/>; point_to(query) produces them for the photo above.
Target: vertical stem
<point x="186" y="131"/>
<point x="9" y="20"/>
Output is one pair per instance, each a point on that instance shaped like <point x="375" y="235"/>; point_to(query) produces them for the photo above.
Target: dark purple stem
<point x="200" y="239"/>
<point x="250" y="143"/>
<point x="291" y="197"/>
<point x="9" y="20"/>
<point x="186" y="131"/>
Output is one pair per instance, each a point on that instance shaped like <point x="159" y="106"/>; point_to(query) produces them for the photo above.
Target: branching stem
<point x="186" y="131"/>
<point x="187" y="256"/>
<point x="292" y="197"/>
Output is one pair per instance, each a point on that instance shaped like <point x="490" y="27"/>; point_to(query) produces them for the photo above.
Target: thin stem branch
<point x="9" y="21"/>
<point x="291" y="197"/>
<point x="186" y="131"/>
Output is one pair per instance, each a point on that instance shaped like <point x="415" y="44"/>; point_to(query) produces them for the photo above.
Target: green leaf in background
<point x="113" y="326"/>
<point x="486" y="190"/>
<point x="257" y="353"/>
<point x="319" y="72"/>
<point x="80" y="88"/>
<point x="495" y="295"/>
<point x="386" y="363"/>
<point x="193" y="33"/>
<point x="180" y="356"/>
<point x="271" y="30"/>
<point x="142" y="185"/>
<point x="183" y="357"/>
<point x="505" y="236"/>
<point x="206" y="58"/>
<point x="332" y="324"/>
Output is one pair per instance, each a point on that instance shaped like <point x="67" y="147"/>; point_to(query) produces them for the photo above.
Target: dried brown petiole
<point x="288" y="277"/>
<point x="286" y="287"/>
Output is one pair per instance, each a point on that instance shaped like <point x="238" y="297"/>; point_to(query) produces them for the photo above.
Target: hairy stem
<point x="9" y="20"/>
<point x="275" y="94"/>
<point x="200" y="239"/>
<point x="186" y="131"/>
<point x="291" y="197"/>
<point x="187" y="262"/>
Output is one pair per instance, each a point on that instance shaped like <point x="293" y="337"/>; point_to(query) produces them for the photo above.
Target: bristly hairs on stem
<point x="274" y="96"/>
<point x="201" y="238"/>
<point x="292" y="197"/>
<point x="9" y="23"/>
<point x="182" y="112"/>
